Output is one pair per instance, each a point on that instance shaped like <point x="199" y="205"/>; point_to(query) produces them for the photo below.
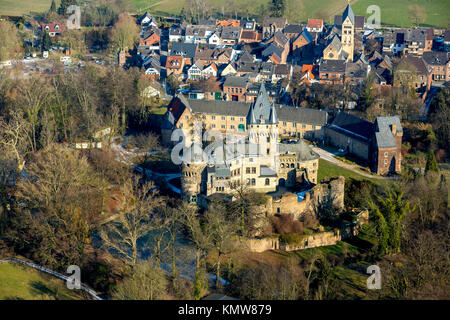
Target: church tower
<point x="348" y="32"/>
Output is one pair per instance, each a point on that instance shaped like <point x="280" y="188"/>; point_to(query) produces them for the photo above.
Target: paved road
<point x="355" y="168"/>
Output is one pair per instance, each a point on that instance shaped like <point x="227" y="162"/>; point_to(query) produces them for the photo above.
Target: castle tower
<point x="348" y="32"/>
<point x="262" y="124"/>
<point x="192" y="171"/>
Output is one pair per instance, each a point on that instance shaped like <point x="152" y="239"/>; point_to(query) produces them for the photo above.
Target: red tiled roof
<point x="171" y="62"/>
<point x="315" y="23"/>
<point x="53" y="27"/>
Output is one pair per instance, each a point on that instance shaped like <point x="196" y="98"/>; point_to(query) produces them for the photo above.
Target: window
<point x="223" y="118"/>
<point x="247" y="170"/>
<point x="253" y="181"/>
<point x="232" y="118"/>
<point x="213" y="117"/>
<point x="284" y="123"/>
<point x="385" y="154"/>
<point x="253" y="170"/>
<point x="203" y="117"/>
<point x="385" y="162"/>
<point x="222" y="126"/>
<point x="304" y="126"/>
<point x="231" y="127"/>
<point x="267" y="181"/>
<point x="213" y="126"/>
<point x="241" y="119"/>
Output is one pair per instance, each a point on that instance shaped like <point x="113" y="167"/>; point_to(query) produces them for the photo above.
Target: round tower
<point x="192" y="173"/>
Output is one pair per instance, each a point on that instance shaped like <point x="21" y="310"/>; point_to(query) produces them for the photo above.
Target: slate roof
<point x="302" y="150"/>
<point x="348" y="12"/>
<point x="235" y="82"/>
<point x="301" y="115"/>
<point x="336" y="43"/>
<point x="355" y="70"/>
<point x="219" y="107"/>
<point x="183" y="49"/>
<point x="230" y="33"/>
<point x="293" y="28"/>
<point x="273" y="48"/>
<point x="359" y="21"/>
<point x="436" y="58"/>
<point x="334" y="66"/>
<point x="353" y="126"/>
<point x="447" y="36"/>
<point x="307" y="36"/>
<point x="383" y="135"/>
<point x="241" y="109"/>
<point x="281" y="69"/>
<point x="262" y="110"/>
<point x="278" y="22"/>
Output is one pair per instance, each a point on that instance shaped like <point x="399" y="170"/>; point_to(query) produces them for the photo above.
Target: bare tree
<point x="134" y="222"/>
<point x="223" y="230"/>
<point x="14" y="138"/>
<point x="147" y="281"/>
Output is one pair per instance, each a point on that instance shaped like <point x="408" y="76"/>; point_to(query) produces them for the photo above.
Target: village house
<point x="292" y="30"/>
<point x="53" y="29"/>
<point x="314" y="25"/>
<point x="438" y="63"/>
<point x="174" y="65"/>
<point x="378" y="144"/>
<point x="185" y="50"/>
<point x="332" y="71"/>
<point x="151" y="39"/>
<point x="301" y="43"/>
<point x="250" y="36"/>
<point x="272" y="25"/>
<point x="235" y="88"/>
<point x="412" y="72"/>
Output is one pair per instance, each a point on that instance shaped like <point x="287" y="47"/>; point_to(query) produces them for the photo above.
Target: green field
<point x="397" y="13"/>
<point x="328" y="169"/>
<point x="18" y="282"/>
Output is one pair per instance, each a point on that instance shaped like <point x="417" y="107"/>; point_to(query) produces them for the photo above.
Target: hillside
<point x="402" y="13"/>
<point x="18" y="282"/>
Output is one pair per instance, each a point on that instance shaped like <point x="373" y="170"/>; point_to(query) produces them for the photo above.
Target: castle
<point x="254" y="158"/>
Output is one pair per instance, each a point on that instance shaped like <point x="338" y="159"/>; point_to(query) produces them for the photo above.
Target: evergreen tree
<point x="46" y="42"/>
<point x="64" y="5"/>
<point x="278" y="7"/>
<point x="53" y="6"/>
<point x="431" y="163"/>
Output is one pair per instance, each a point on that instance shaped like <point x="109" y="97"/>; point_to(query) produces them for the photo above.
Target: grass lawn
<point x="18" y="282"/>
<point x="328" y="169"/>
<point x="16" y="8"/>
<point x="398" y="12"/>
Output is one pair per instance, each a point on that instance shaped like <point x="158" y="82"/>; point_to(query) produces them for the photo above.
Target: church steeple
<point x="261" y="110"/>
<point x="348" y="12"/>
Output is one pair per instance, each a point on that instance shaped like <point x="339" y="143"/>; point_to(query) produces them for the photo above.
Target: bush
<point x="292" y="238"/>
<point x="285" y="223"/>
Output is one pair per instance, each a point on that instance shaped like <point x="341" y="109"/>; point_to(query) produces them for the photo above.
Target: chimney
<point x="394" y="129"/>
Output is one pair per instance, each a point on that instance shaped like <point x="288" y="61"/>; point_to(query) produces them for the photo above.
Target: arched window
<point x="253" y="181"/>
<point x="267" y="181"/>
<point x="292" y="165"/>
<point x="282" y="165"/>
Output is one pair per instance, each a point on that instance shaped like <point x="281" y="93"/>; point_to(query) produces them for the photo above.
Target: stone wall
<point x="330" y="193"/>
<point x="308" y="241"/>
